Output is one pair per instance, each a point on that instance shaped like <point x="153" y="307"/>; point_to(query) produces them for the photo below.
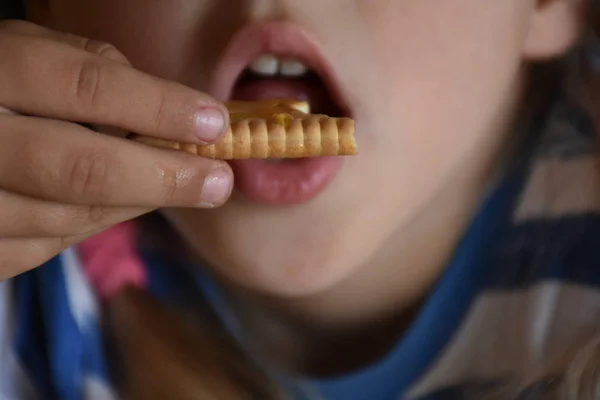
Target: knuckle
<point x="161" y="117"/>
<point x="67" y="220"/>
<point x="171" y="183"/>
<point x="176" y="185"/>
<point x="91" y="217"/>
<point x="87" y="82"/>
<point x="103" y="49"/>
<point x="87" y="175"/>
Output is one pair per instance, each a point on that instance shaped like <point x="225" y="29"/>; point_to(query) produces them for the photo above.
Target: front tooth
<point x="266" y="64"/>
<point x="292" y="67"/>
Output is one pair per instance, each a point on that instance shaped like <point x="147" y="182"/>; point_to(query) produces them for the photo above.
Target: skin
<point x="434" y="87"/>
<point x="60" y="182"/>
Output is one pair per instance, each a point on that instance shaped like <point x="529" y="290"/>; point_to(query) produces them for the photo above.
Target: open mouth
<point x="274" y="77"/>
<point x="279" y="60"/>
<point x="271" y="77"/>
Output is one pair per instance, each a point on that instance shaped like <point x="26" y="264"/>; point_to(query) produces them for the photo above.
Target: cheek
<point x="440" y="75"/>
<point x="432" y="60"/>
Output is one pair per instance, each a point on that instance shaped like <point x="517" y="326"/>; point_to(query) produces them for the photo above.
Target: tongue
<point x="280" y="88"/>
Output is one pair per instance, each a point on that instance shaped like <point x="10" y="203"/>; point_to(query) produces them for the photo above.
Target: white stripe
<point x="95" y="389"/>
<point x="82" y="301"/>
<point x="560" y="187"/>
<point x="14" y="382"/>
<point x="515" y="333"/>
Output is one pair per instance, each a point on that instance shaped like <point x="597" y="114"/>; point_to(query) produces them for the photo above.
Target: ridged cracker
<point x="272" y="129"/>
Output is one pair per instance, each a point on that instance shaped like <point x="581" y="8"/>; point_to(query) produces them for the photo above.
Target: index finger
<point x="51" y="79"/>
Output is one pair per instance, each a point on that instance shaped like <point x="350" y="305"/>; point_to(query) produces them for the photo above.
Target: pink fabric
<point x="110" y="260"/>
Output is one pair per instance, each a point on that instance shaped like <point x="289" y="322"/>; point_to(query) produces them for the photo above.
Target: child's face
<point x="430" y="84"/>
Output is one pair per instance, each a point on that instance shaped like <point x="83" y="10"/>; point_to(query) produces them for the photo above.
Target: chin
<point x="297" y="273"/>
<point x="292" y="253"/>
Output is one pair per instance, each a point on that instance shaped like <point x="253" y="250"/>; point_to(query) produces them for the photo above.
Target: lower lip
<point x="288" y="182"/>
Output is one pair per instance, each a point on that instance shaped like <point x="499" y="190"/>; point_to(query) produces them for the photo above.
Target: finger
<point x="21" y="255"/>
<point x="22" y="216"/>
<point x="107" y="130"/>
<point x="89" y="45"/>
<point x="63" y="162"/>
<point x="46" y="78"/>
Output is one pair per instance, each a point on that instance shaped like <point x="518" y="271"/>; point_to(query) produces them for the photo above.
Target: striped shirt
<point x="523" y="287"/>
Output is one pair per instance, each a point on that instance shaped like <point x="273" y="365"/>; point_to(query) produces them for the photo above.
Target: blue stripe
<point x="94" y="359"/>
<point x="65" y="342"/>
<point x="30" y="341"/>
<point x="565" y="249"/>
<point x="171" y="281"/>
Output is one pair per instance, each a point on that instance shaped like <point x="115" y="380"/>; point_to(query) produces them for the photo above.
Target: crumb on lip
<point x="283" y="119"/>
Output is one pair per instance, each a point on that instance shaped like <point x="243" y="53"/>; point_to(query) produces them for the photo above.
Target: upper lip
<point x="284" y="39"/>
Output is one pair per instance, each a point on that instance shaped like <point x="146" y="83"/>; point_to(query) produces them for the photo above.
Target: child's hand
<point x="61" y="182"/>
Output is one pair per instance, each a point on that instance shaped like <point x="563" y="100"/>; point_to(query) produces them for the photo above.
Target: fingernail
<point x="210" y="124"/>
<point x="216" y="189"/>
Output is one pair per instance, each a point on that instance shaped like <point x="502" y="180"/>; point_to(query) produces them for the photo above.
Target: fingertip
<point x="217" y="187"/>
<point x="210" y="123"/>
